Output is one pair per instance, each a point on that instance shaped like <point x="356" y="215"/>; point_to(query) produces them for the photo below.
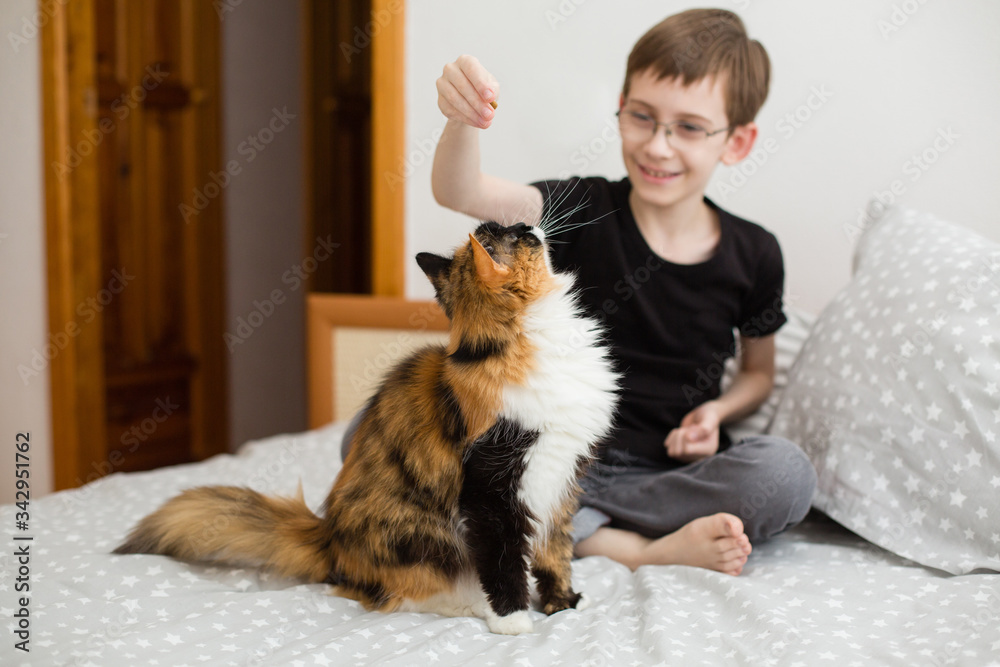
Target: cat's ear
<point x="434" y="266"/>
<point x="488" y="269"/>
<point x="437" y="269"/>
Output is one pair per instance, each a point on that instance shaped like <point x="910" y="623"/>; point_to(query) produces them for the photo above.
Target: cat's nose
<point x="519" y="229"/>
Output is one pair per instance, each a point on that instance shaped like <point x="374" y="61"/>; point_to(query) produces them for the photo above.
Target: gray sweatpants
<point x="767" y="481"/>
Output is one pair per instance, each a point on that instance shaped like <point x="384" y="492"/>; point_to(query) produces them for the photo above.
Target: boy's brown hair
<point x="703" y="43"/>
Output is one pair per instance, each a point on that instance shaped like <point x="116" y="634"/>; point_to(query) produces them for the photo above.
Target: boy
<point x="672" y="275"/>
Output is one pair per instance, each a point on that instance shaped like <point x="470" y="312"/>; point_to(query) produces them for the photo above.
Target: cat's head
<point x="501" y="267"/>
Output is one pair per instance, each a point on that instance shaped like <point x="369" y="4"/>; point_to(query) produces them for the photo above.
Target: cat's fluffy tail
<point x="239" y="527"/>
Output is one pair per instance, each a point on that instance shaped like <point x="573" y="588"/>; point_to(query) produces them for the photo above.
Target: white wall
<point x="24" y="406"/>
<point x="879" y="96"/>
<point x="262" y="62"/>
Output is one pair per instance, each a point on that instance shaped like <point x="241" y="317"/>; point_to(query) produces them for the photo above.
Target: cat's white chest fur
<point x="569" y="398"/>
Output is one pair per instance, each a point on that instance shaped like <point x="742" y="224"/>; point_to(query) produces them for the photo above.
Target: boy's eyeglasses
<point x="637" y="126"/>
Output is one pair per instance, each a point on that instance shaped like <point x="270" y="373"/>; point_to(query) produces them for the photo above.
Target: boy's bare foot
<point x="715" y="542"/>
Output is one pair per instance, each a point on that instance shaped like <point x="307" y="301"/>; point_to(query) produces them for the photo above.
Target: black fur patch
<point x="138" y="544"/>
<point x="336" y="535"/>
<point x="517" y="231"/>
<point x="437" y="268"/>
<point x="449" y="414"/>
<point x="423" y="549"/>
<point x="473" y="351"/>
<point x="498" y="523"/>
<point x="412" y="490"/>
<point x="490" y="228"/>
<point x="546" y="582"/>
<point x="550" y="593"/>
<point x="373" y="591"/>
<point x="403" y="372"/>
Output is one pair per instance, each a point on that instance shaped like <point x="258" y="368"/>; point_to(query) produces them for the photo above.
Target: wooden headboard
<point x="354" y="340"/>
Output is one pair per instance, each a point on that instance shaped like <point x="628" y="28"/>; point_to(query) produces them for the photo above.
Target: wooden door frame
<point x="73" y="246"/>
<point x="388" y="147"/>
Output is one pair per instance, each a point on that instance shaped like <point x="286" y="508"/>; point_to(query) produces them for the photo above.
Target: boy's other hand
<point x="465" y="91"/>
<point x="697" y="437"/>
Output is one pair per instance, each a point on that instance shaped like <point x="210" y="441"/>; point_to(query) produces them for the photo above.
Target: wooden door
<point x="355" y="142"/>
<point x="152" y="241"/>
<point x="339" y="90"/>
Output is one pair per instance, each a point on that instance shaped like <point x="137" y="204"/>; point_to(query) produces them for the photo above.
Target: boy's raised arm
<point x="465" y="93"/>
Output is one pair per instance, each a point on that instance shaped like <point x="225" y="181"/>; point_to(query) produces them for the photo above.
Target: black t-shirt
<point x="671" y="326"/>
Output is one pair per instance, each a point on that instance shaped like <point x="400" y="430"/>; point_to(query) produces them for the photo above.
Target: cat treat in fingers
<point x="461" y="480"/>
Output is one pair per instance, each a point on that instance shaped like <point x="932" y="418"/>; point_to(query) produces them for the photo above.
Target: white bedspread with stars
<point x="817" y="595"/>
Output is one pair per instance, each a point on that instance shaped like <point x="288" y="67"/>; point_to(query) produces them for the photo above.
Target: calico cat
<point x="461" y="481"/>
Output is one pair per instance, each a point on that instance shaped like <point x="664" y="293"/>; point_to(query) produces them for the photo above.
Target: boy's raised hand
<point x="465" y="91"/>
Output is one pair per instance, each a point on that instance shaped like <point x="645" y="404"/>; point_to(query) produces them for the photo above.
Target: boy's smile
<point x="658" y="177"/>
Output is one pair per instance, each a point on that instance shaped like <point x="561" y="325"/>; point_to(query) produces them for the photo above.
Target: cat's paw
<point x="584" y="602"/>
<point x="513" y="624"/>
<point x="571" y="601"/>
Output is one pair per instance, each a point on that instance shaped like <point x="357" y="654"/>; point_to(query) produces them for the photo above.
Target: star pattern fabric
<point x="815" y="595"/>
<point x="895" y="394"/>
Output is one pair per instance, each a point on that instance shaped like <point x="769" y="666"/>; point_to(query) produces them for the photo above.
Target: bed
<point x="892" y="567"/>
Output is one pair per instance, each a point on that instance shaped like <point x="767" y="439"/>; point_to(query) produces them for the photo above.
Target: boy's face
<point x="666" y="171"/>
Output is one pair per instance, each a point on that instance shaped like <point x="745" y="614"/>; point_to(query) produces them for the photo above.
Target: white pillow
<point x="895" y="396"/>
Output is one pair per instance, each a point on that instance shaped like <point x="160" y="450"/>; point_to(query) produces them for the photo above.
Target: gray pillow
<point x="895" y="396"/>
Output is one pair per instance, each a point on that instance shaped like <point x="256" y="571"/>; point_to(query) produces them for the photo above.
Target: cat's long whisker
<point x="570" y="227"/>
<point x="556" y="203"/>
<point x="556" y="225"/>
